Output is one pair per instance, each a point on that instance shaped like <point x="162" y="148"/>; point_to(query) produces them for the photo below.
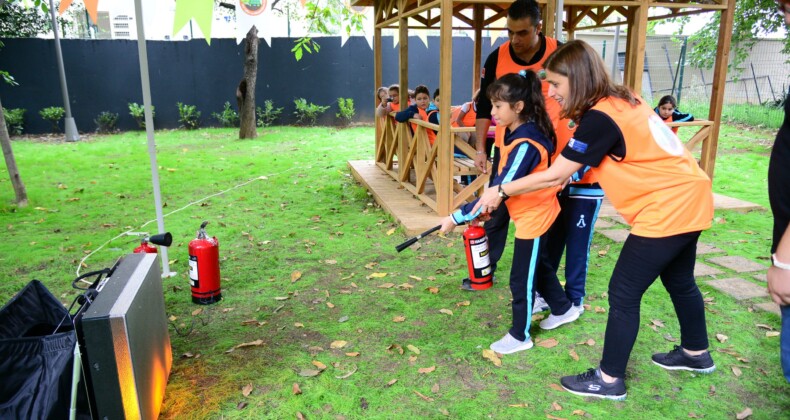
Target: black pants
<point x="531" y="271"/>
<point x="641" y="261"/>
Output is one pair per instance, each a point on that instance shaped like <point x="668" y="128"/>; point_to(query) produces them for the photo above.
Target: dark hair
<point x="422" y="89"/>
<point x="522" y="9"/>
<point x="394" y="87"/>
<point x="435" y="93"/>
<point x="412" y="94"/>
<point x="525" y="87"/>
<point x="587" y="78"/>
<point x="668" y="99"/>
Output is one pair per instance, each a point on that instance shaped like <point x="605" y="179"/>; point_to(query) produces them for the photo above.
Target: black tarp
<point x="37" y="341"/>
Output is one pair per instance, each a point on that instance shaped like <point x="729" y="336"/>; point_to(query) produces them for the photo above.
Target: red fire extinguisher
<point x="204" y="268"/>
<point x="477" y="258"/>
<point x="145" y="247"/>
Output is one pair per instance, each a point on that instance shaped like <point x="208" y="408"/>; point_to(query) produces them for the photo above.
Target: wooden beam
<point x="403" y="80"/>
<point x="444" y="178"/>
<point x="710" y="147"/>
<point x="477" y="56"/>
<point x="549" y="19"/>
<point x="377" y="79"/>
<point x="678" y="5"/>
<point x="635" y="57"/>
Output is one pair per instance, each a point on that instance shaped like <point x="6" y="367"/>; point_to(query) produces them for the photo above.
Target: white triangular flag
<point x="251" y="13"/>
<point x="369" y="38"/>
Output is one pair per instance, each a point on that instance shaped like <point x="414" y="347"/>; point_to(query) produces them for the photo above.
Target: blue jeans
<point x="785" y="341"/>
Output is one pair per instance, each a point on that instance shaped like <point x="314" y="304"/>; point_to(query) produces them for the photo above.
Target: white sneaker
<point x="579" y="308"/>
<point x="508" y="344"/>
<point x="554" y="321"/>
<point x="540" y="304"/>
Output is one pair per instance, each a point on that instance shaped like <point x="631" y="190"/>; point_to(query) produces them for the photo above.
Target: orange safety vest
<point x="533" y="213"/>
<point x="669" y="120"/>
<point x="431" y="134"/>
<point x="395" y="107"/>
<point x="658" y="187"/>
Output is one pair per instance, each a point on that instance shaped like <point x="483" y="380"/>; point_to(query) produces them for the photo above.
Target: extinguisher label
<point x="480" y="258"/>
<point x="193" y="271"/>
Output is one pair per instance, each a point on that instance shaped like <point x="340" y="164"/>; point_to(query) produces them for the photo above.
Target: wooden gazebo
<point x="429" y="171"/>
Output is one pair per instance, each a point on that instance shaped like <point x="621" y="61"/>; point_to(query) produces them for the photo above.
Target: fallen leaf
<point x="187" y="355"/>
<point x="226" y="310"/>
<point x="463" y="303"/>
<point x="573" y="355"/>
<point x="318" y="364"/>
<point x="330" y="305"/>
<point x="522" y="405"/>
<point x="281" y="298"/>
<point x="444" y="411"/>
<point x="377" y="275"/>
<point x="390" y="232"/>
<point x="743" y="360"/>
<point x="386" y="285"/>
<point x="579" y="413"/>
<point x="392" y="382"/>
<point x="172" y="318"/>
<point x="412" y="359"/>
<point x="295" y="389"/>
<point x="435" y="388"/>
<point x="331" y="262"/>
<point x="309" y="373"/>
<point x="549" y="416"/>
<point x="492" y="356"/>
<point x="353" y="354"/>
<point x="426" y="398"/>
<point x="744" y="414"/>
<point x="556" y="387"/>
<point x="395" y="347"/>
<point x="338" y="344"/>
<point x="446" y="311"/>
<point x="551" y="342"/>
<point x="772" y="333"/>
<point x="241" y="405"/>
<point x="415" y="278"/>
<point x="722" y="338"/>
<point x="669" y="337"/>
<point x="712" y="391"/>
<point x="602" y="252"/>
<point x="767" y="327"/>
<point x="242" y="345"/>
<point x="300" y="416"/>
<point x="344" y="376"/>
<point x="600" y="310"/>
<point x="658" y="323"/>
<point x="737" y="372"/>
<point x="433" y="290"/>
<point x="427" y="369"/>
<point x="413" y="349"/>
<point x="589" y="342"/>
<point x="247" y="390"/>
<point x="370" y="265"/>
<point x="197" y="311"/>
<point x="343" y="319"/>
<point x="296" y="275"/>
<point x="399" y="318"/>
<point x="298" y="325"/>
<point x="405" y="286"/>
<point x="555" y="406"/>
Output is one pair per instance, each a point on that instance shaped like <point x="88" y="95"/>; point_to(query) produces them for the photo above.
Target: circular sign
<point x="253" y="7"/>
<point x="664" y="136"/>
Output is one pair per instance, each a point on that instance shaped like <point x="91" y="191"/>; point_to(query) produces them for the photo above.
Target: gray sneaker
<point x="540" y="304"/>
<point x="508" y="344"/>
<point x="579" y="308"/>
<point x="554" y="321"/>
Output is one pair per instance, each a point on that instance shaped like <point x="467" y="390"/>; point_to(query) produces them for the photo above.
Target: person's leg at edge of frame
<point x="785" y="341"/>
<point x="522" y="278"/>
<point x="582" y="215"/>
<point x="496" y="230"/>
<point x="554" y="248"/>
<point x="562" y="309"/>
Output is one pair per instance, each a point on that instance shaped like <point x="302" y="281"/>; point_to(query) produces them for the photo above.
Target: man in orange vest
<point x="526" y="49"/>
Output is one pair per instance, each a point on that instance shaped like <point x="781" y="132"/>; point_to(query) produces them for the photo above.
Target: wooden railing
<point x="700" y="138"/>
<point x="412" y="161"/>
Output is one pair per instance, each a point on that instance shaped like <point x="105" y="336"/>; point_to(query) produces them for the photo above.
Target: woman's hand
<point x="489" y="201"/>
<point x="779" y="285"/>
<point x="447" y="224"/>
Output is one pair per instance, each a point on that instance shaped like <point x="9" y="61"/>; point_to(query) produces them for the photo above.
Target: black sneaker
<point x="678" y="359"/>
<point x="590" y="384"/>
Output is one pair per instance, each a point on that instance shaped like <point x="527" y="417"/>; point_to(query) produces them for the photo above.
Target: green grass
<point x="309" y="215"/>
<point x="765" y="116"/>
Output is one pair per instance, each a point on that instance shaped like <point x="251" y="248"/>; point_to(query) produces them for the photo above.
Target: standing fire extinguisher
<point x="204" y="268"/>
<point x="477" y="258"/>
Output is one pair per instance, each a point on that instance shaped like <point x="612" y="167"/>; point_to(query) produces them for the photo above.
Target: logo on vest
<point x="577" y="145"/>
<point x="580" y="224"/>
<point x="664" y="137"/>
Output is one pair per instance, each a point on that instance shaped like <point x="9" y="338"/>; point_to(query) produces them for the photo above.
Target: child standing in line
<point x="526" y="139"/>
<point x="667" y="109"/>
<point x="419" y="110"/>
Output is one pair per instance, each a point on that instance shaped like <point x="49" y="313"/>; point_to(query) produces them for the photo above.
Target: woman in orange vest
<point x="526" y="140"/>
<point x="658" y="188"/>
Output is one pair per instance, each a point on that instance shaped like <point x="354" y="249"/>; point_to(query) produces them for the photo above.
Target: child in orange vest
<point x="390" y="103"/>
<point x="419" y="110"/>
<point x="526" y="139"/>
<point x="667" y="109"/>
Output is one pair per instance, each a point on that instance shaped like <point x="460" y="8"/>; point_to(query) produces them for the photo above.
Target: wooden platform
<point x="416" y="217"/>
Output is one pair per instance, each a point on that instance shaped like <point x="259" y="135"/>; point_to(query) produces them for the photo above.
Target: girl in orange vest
<point x="419" y="110"/>
<point x="526" y="139"/>
<point x="658" y="188"/>
<point x="667" y="109"/>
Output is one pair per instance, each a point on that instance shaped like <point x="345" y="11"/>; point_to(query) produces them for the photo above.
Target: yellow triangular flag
<point x="199" y="10"/>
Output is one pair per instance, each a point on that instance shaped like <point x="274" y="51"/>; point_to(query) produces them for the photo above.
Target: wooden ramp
<point x="416" y="217"/>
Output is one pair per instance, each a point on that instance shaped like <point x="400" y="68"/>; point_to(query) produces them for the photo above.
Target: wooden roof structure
<point x="415" y="163"/>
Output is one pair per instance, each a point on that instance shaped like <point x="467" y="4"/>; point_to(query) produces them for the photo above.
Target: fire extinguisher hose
<point x="411" y="241"/>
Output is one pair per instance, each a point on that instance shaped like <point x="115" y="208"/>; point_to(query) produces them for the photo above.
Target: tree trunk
<point x="10" y="163"/>
<point x="245" y="93"/>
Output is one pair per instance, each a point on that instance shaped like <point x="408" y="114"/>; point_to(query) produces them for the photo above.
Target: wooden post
<point x="478" y="52"/>
<point x="708" y="157"/>
<point x="403" y="80"/>
<point x="550" y="19"/>
<point x="444" y="176"/>
<point x="635" y="54"/>
<point x="377" y="77"/>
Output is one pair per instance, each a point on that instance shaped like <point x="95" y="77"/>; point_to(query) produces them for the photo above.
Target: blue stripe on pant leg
<point x="589" y="244"/>
<point x="533" y="264"/>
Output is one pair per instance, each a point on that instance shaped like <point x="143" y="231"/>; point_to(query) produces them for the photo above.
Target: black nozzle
<point x="162" y="239"/>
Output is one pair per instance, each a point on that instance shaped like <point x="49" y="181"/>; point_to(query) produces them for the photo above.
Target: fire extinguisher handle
<point x="411" y="241"/>
<point x="204" y="224"/>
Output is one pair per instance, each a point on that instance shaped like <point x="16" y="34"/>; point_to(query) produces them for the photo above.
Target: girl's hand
<point x="489" y="201"/>
<point x="447" y="224"/>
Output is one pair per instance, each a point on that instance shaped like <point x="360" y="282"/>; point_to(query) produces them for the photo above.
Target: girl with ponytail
<point x="526" y="140"/>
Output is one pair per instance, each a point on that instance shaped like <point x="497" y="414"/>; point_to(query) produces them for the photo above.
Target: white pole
<point x="558" y="20"/>
<point x="68" y="123"/>
<point x="616" y="55"/>
<point x="149" y="130"/>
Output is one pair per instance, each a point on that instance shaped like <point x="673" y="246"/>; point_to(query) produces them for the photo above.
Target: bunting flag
<point x="421" y="33"/>
<point x="90" y="5"/>
<point x="201" y="11"/>
<point x="496" y="35"/>
<point x="256" y="13"/>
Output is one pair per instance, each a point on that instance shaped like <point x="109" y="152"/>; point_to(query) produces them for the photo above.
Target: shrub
<point x="138" y="113"/>
<point x="228" y="117"/>
<point x="188" y="116"/>
<point x="347" y="111"/>
<point x="105" y="122"/>
<point x="14" y="120"/>
<point x="307" y="113"/>
<point x="268" y="115"/>
<point x="53" y="114"/>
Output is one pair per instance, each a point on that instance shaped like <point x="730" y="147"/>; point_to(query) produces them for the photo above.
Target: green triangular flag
<point x="199" y="10"/>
